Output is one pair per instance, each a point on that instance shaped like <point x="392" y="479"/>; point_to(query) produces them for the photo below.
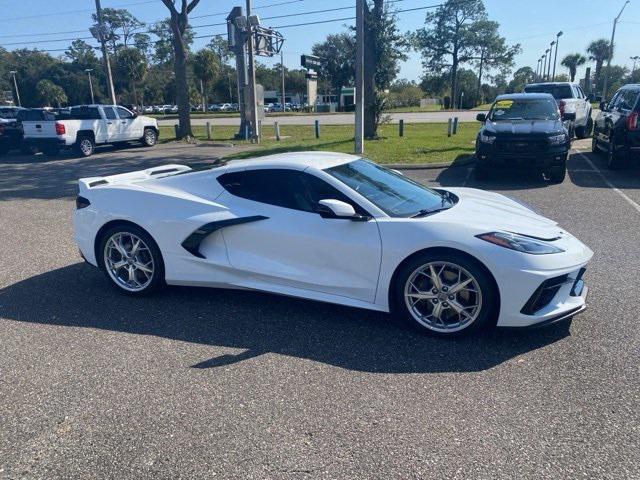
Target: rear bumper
<point x="45" y="142"/>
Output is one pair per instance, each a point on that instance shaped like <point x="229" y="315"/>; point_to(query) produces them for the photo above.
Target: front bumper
<point x="491" y="156"/>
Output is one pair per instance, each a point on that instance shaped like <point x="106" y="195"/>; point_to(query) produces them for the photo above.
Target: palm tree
<point x="572" y="62"/>
<point x="599" y="51"/>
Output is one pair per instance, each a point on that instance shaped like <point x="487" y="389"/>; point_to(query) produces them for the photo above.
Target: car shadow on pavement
<point x="79" y="296"/>
<point x="583" y="175"/>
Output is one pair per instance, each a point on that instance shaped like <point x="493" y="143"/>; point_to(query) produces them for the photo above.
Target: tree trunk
<point x="478" y="95"/>
<point x="454" y="81"/>
<point x="182" y="91"/>
<point x="370" y="63"/>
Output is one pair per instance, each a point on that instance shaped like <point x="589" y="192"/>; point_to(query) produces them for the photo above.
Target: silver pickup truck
<point x="85" y="126"/>
<point x="570" y="99"/>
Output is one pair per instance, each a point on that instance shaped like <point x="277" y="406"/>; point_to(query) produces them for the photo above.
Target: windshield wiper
<point x="428" y="211"/>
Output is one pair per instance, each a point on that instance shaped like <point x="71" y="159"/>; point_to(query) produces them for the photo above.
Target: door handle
<point x="109" y="123"/>
<point x="124" y="121"/>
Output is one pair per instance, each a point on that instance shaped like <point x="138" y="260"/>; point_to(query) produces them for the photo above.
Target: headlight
<point x="558" y="139"/>
<point x="487" y="139"/>
<point x="521" y="243"/>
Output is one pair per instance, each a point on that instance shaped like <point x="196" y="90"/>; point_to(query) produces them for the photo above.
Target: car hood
<point x="543" y="127"/>
<point x="488" y="211"/>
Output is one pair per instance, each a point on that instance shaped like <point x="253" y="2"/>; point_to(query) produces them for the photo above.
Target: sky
<point x="531" y="23"/>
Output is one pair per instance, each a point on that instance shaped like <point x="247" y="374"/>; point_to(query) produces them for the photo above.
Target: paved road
<point x="335" y="119"/>
<point x="198" y="383"/>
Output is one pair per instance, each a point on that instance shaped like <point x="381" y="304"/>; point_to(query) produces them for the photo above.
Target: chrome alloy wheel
<point x="443" y="296"/>
<point x="149" y="137"/>
<point x="86" y="147"/>
<point x="128" y="261"/>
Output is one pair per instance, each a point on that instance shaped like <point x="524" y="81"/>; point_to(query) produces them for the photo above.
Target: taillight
<point x="632" y="122"/>
<point x="60" y="130"/>
<point x="561" y="105"/>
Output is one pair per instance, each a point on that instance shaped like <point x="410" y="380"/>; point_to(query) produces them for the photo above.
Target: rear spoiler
<point x="155" y="172"/>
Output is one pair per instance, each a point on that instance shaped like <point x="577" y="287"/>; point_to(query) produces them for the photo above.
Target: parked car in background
<point x="10" y="133"/>
<point x="226" y="107"/>
<point x="214" y="107"/>
<point x="524" y="131"/>
<point x="148" y="109"/>
<point x="88" y="125"/>
<point x="571" y="99"/>
<point x="617" y="127"/>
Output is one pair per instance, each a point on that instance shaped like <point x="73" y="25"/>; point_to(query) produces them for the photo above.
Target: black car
<point x="617" y="127"/>
<point x="524" y="131"/>
<point x="11" y="134"/>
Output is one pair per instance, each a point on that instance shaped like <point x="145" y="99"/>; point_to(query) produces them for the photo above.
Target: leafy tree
<point x="451" y="38"/>
<point x="131" y="65"/>
<point x="572" y="62"/>
<point x="385" y="49"/>
<point x="206" y="67"/>
<point x="220" y="47"/>
<point x="120" y="25"/>
<point x="338" y="52"/>
<point x="521" y="77"/>
<point x="51" y="93"/>
<point x="404" y="93"/>
<point x="82" y="54"/>
<point x="599" y="51"/>
<point x="179" y="23"/>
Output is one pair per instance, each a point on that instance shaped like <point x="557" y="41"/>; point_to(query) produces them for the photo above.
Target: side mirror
<point x="481" y="117"/>
<point x="603" y="106"/>
<point x="569" y="116"/>
<point x="336" y="209"/>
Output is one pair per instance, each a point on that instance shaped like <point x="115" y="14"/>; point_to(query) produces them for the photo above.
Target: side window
<point x="279" y="187"/>
<point x="614" y="100"/>
<point x="123" y="113"/>
<point x="321" y="190"/>
<point x="110" y="113"/>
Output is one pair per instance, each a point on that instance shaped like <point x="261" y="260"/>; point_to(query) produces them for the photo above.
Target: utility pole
<point x="613" y="36"/>
<point x="204" y="102"/>
<point x="89" y="70"/>
<point x="555" y="58"/>
<point x="15" y="84"/>
<point x="283" y="91"/>
<point x="253" y="105"/>
<point x="359" y="133"/>
<point x="105" y="53"/>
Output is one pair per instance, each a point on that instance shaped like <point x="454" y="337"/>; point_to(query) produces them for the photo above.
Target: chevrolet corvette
<point x="336" y="228"/>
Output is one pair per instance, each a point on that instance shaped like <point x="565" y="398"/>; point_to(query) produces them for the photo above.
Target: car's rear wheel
<point x="615" y="158"/>
<point x="85" y="146"/>
<point x="595" y="147"/>
<point x="132" y="260"/>
<point x="444" y="294"/>
<point x="150" y="137"/>
<point x="585" y="131"/>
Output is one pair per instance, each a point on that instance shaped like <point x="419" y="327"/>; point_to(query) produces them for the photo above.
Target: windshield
<point x="9" y="113"/>
<point x="534" y="109"/>
<point x="393" y="193"/>
<point x="558" y="91"/>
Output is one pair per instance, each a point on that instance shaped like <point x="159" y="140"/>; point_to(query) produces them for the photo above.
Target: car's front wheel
<point x="149" y="138"/>
<point x="131" y="259"/>
<point x="615" y="156"/>
<point x="444" y="293"/>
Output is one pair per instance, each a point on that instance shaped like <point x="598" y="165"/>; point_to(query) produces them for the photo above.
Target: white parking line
<point x="610" y="185"/>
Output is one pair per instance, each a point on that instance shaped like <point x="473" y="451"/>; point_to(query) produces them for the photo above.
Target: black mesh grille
<point x="544" y="294"/>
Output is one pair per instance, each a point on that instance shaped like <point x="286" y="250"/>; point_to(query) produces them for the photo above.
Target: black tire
<point x="85" y="146"/>
<point x="558" y="174"/>
<point x="483" y="319"/>
<point x="50" y="151"/>
<point x="615" y="159"/>
<point x="585" y="132"/>
<point x="157" y="278"/>
<point x="149" y="138"/>
<point x="480" y="172"/>
<point x="27" y="149"/>
<point x="595" y="146"/>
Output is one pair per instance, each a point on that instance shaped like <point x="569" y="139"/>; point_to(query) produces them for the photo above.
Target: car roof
<point x="296" y="160"/>
<point x="549" y="83"/>
<point x="630" y="86"/>
<point x="524" y="96"/>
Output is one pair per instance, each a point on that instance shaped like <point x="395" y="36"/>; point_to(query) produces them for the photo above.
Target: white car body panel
<point x="305" y="255"/>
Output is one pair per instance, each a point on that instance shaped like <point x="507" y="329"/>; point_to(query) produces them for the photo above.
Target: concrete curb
<point x="429" y="166"/>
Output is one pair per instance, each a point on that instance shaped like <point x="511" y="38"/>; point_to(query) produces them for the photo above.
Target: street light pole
<point x="89" y="70"/>
<point x="105" y="53"/>
<point x="359" y="133"/>
<point x="555" y="58"/>
<point x="15" y="84"/>
<point x="253" y="104"/>
<point x="283" y="91"/>
<point x="544" y="67"/>
<point x="550" y="52"/>
<point x="613" y="36"/>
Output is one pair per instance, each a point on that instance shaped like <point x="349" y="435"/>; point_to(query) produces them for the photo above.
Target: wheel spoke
<point x="435" y="277"/>
<point x="143" y="268"/>
<point x="119" y="265"/>
<point x="459" y="286"/>
<point x="134" y="247"/>
<point x="437" y="311"/>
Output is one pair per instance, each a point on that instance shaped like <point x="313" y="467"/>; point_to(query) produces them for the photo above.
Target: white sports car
<point x="335" y="228"/>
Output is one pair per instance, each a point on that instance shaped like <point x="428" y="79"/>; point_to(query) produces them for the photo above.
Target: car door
<point x="293" y="245"/>
<point x="603" y="120"/>
<point x="128" y="126"/>
<point x="111" y="130"/>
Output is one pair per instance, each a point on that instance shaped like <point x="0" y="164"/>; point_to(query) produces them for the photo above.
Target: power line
<point x="74" y="11"/>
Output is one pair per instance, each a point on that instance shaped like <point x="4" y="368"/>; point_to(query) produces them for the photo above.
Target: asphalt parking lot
<point x="201" y="383"/>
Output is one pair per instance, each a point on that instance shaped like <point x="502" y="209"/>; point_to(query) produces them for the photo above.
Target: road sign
<point x="311" y="62"/>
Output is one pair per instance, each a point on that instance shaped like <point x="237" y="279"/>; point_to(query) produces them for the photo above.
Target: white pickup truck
<point x="86" y="126"/>
<point x="570" y="99"/>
